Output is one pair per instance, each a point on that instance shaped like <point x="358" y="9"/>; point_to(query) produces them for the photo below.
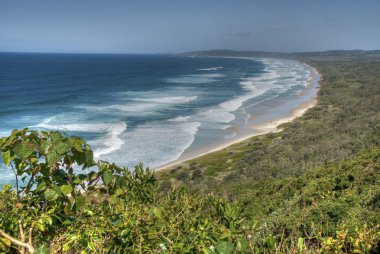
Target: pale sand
<point x="261" y="129"/>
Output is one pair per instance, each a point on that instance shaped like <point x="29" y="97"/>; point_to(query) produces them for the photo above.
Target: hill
<point x="314" y="173"/>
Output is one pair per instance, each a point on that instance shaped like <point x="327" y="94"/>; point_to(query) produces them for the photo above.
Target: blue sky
<point x="161" y="26"/>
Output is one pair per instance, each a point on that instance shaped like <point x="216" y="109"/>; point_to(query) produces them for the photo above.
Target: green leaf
<point x="44" y="146"/>
<point x="114" y="200"/>
<point x="270" y="243"/>
<point x="157" y="212"/>
<point x="66" y="247"/>
<point x="4" y="244"/>
<point x="43" y="249"/>
<point x="80" y="201"/>
<point x="242" y="244"/>
<point x="6" y="156"/>
<point x="51" y="194"/>
<point x="61" y="147"/>
<point x="79" y="157"/>
<point x="119" y="192"/>
<point x="41" y="187"/>
<point x="225" y="234"/>
<point x="67" y="209"/>
<point x="53" y="157"/>
<point x="15" y="132"/>
<point x="107" y="177"/>
<point x="8" y="141"/>
<point x="47" y="220"/>
<point x="89" y="158"/>
<point x="23" y="150"/>
<point x="224" y="247"/>
<point x="56" y="136"/>
<point x="300" y="244"/>
<point x="2" y="141"/>
<point x="78" y="147"/>
<point x="66" y="189"/>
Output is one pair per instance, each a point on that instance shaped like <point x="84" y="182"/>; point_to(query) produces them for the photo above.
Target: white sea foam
<point x="211" y="69"/>
<point x="196" y="79"/>
<point x="128" y="107"/>
<point x="211" y="75"/>
<point x="278" y="76"/>
<point x="147" y="104"/>
<point x="180" y="119"/>
<point x="155" y="143"/>
<point x="112" y="141"/>
<point x="107" y="144"/>
<point x="168" y="100"/>
<point x="81" y="127"/>
<point x="224" y="112"/>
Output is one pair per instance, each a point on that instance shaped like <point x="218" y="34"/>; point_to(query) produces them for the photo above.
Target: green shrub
<point x="104" y="208"/>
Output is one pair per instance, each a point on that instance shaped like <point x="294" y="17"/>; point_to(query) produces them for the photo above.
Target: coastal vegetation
<point x="104" y="209"/>
<point x="313" y="187"/>
<point x="319" y="174"/>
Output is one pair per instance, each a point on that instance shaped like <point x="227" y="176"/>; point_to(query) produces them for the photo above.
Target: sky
<point x="173" y="26"/>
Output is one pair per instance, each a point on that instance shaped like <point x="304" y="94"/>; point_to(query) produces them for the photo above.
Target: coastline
<point x="264" y="128"/>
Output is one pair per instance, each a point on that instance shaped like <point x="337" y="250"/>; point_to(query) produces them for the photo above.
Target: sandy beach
<point x="267" y="127"/>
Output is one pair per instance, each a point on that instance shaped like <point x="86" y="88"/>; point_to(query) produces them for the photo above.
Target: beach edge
<point x="262" y="129"/>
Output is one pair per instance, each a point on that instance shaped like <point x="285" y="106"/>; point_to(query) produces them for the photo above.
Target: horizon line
<point x="184" y="52"/>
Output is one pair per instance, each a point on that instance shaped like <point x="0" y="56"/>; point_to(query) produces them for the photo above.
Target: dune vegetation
<point x="316" y="177"/>
<point x="313" y="187"/>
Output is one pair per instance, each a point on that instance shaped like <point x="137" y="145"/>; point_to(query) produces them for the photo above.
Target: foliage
<point x="319" y="172"/>
<point x="106" y="209"/>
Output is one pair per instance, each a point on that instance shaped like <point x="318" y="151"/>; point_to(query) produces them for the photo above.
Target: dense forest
<point x="313" y="187"/>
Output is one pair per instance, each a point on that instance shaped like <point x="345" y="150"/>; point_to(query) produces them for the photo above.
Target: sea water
<point x="141" y="108"/>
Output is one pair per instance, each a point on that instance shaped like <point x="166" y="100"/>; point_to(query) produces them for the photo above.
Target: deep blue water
<point x="137" y="108"/>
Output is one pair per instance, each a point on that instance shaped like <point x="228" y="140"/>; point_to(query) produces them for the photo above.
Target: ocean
<point x="153" y="109"/>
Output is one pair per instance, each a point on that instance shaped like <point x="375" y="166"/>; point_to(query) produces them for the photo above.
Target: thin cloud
<point x="239" y="34"/>
<point x="243" y="34"/>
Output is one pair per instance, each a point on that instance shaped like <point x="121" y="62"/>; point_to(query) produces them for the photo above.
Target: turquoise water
<point x="141" y="108"/>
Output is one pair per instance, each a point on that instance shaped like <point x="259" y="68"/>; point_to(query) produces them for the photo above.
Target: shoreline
<point x="265" y="128"/>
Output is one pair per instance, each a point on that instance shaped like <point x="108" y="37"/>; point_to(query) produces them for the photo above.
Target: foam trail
<point x="148" y="105"/>
<point x="80" y="127"/>
<point x="112" y="140"/>
<point x="109" y="143"/>
<point x="168" y="100"/>
<point x="211" y="69"/>
<point x="155" y="143"/>
<point x="195" y="79"/>
<point x="212" y="75"/>
<point x="278" y="77"/>
<point x="180" y="119"/>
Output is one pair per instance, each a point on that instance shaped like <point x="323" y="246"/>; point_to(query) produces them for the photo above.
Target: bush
<point x="108" y="209"/>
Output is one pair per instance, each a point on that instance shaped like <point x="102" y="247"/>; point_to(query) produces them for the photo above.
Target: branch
<point x="17" y="188"/>
<point x="28" y="186"/>
<point x="22" y="251"/>
<point x="17" y="242"/>
<point x="30" y="236"/>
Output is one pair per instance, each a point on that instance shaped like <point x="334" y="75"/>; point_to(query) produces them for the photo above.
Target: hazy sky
<point x="160" y="26"/>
